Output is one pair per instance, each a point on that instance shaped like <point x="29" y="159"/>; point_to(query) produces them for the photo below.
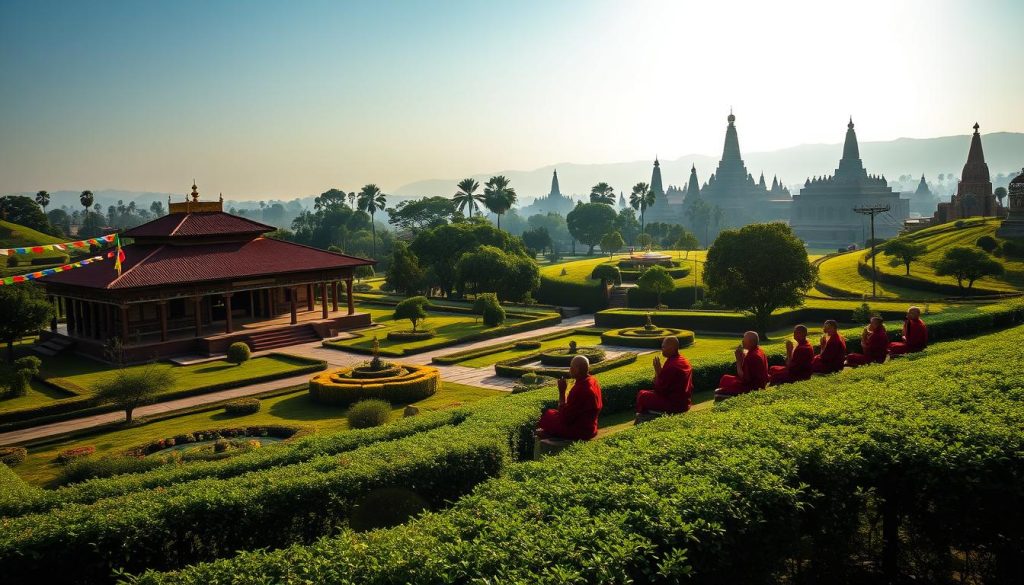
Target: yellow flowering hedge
<point x="339" y="387"/>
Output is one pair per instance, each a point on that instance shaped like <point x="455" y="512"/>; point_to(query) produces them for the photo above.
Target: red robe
<point x="673" y="387"/>
<point x="577" y="418"/>
<point x="915" y="338"/>
<point x="876" y="349"/>
<point x="832" y="356"/>
<point x="799" y="367"/>
<point x="755" y="375"/>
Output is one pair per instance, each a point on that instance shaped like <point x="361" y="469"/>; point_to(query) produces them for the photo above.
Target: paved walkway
<point x="482" y="377"/>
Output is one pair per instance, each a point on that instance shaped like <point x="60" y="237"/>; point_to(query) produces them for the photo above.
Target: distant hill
<point x="13" y="235"/>
<point x="1004" y="152"/>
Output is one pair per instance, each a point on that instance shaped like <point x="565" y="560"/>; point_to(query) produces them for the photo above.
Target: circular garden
<point x="395" y="383"/>
<point x="647" y="337"/>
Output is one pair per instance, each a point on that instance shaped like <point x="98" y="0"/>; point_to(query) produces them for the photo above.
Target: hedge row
<point x="514" y="367"/>
<point x="466" y="354"/>
<point x="632" y="275"/>
<point x="12" y="488"/>
<point x="680" y="297"/>
<point x="724" y="321"/>
<point x="846" y="479"/>
<point x="950" y="290"/>
<point x="87" y="405"/>
<point x="588" y="296"/>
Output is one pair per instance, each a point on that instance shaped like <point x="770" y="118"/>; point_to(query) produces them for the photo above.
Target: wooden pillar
<point x="199" y="316"/>
<point x="105" y="321"/>
<point x="79" y="318"/>
<point x="348" y="293"/>
<point x="69" y="315"/>
<point x="162" y="307"/>
<point x="252" y="303"/>
<point x="323" y="301"/>
<point x="56" y="312"/>
<point x="227" y="313"/>
<point x="334" y="296"/>
<point x="94" y="324"/>
<point x="309" y="297"/>
<point x="259" y="306"/>
<point x="295" y="298"/>
<point x="272" y="301"/>
<point x="124" y="324"/>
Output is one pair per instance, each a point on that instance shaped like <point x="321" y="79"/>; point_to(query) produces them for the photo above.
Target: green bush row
<point x="588" y="296"/>
<point x="885" y="474"/>
<point x="680" y="297"/>
<point x="614" y="337"/>
<point x="514" y="368"/>
<point x="466" y="354"/>
<point x="725" y="321"/>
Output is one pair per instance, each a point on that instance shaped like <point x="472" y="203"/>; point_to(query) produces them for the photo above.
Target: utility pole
<point x="872" y="211"/>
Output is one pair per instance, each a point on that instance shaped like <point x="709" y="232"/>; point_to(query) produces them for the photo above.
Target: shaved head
<point x="751" y="339"/>
<point x="914" y="312"/>
<point x="831" y="326"/>
<point x="579" y="367"/>
<point x="669" y="346"/>
<point x="800" y="332"/>
<point x="876" y="320"/>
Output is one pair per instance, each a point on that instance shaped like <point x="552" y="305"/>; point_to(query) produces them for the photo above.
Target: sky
<point x="261" y="99"/>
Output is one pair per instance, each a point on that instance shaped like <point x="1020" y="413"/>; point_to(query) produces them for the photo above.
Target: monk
<point x="673" y="382"/>
<point x="751" y="369"/>
<point x="915" y="334"/>
<point x="798" y="359"/>
<point x="576" y="417"/>
<point x="874" y="343"/>
<point x="832" y="353"/>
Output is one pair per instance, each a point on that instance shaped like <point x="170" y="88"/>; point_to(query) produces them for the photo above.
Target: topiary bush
<point x="527" y="344"/>
<point x="341" y="388"/>
<point x="608" y="273"/>
<point x="239" y="353"/>
<point x="487" y="306"/>
<point x="368" y="413"/>
<point x="563" y="357"/>
<point x="11" y="456"/>
<point x="86" y="468"/>
<point x="242" y="406"/>
<point x="987" y="243"/>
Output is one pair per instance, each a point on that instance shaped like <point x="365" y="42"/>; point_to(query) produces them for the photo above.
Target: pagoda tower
<point x="692" y="186"/>
<point x="974" y="191"/>
<point x="555" y="192"/>
<point x="656" y="186"/>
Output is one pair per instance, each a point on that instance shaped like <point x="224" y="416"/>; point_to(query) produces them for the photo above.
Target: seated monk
<point x="832" y="354"/>
<point x="751" y="369"/>
<point x="673" y="383"/>
<point x="798" y="359"/>
<point x="874" y="342"/>
<point x="915" y="334"/>
<point x="576" y="417"/>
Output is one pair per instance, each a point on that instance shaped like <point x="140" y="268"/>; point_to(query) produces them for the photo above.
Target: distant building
<point x="974" y="191"/>
<point x="923" y="201"/>
<point x="552" y="202"/>
<point x="823" y="212"/>
<point x="1013" y="225"/>
<point x="668" y="205"/>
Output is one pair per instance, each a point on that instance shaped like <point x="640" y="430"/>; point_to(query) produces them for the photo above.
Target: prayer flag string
<point x="80" y="244"/>
<point x="41" y="273"/>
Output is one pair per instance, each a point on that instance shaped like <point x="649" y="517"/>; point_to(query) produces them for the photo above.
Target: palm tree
<point x="467" y="196"/>
<point x="372" y="200"/>
<point x="43" y="199"/>
<point x="602" y="193"/>
<point x="498" y="196"/>
<point x="641" y="198"/>
<point x="86" y="200"/>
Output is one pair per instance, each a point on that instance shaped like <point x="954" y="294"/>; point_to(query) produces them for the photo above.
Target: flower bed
<point x="277" y="431"/>
<point x="65" y="457"/>
<point x="11" y="456"/>
<point x="340" y="387"/>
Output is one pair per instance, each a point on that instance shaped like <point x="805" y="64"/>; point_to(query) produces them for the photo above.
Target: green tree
<point x="487" y="306"/>
<point x="371" y="200"/>
<point x="24" y="211"/>
<point x="536" y="240"/>
<point x="656" y="280"/>
<point x="903" y="251"/>
<point x="687" y="241"/>
<point x="331" y="199"/>
<point x="482" y="270"/>
<point x="131" y="388"/>
<point x="420" y="214"/>
<point x="640" y="199"/>
<point x="627" y="224"/>
<point x="86" y="199"/>
<point x="405" y="274"/>
<point x="24" y="369"/>
<point x="644" y="241"/>
<point x="987" y="243"/>
<point x="364" y="271"/>
<point x="589" y="222"/>
<point x="967" y="263"/>
<point x="59" y="220"/>
<point x="758" y="269"/>
<point x="612" y="242"/>
<point x="43" y="199"/>
<point x="499" y="197"/>
<point x="439" y="249"/>
<point x="1000" y="194"/>
<point x="23" y="311"/>
<point x="467" y="196"/>
<point x="602" y="193"/>
<point x="413" y="308"/>
<point x="607" y="273"/>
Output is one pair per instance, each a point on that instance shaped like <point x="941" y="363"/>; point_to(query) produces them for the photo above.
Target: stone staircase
<point x="52" y="346"/>
<point x="618" y="297"/>
<point x="294" y="335"/>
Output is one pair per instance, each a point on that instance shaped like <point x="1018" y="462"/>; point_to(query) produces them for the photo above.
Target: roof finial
<point x="731" y="117"/>
<point x="195" y="191"/>
<point x="850" y="125"/>
<point x="976" y="126"/>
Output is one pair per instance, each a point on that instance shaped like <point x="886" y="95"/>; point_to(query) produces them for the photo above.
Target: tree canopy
<point x="23" y="310"/>
<point x="405" y="274"/>
<point x="612" y="242"/>
<point x="968" y="264"/>
<point x="490" y="269"/>
<point x="589" y="222"/>
<point x="413" y="308"/>
<point x="24" y="211"/>
<point x="758" y="269"/>
<point x="903" y="251"/>
<point x="416" y="215"/>
<point x="536" y="239"/>
<point x="440" y="248"/>
<point x="499" y="196"/>
<point x="131" y="388"/>
<point x="657" y="280"/>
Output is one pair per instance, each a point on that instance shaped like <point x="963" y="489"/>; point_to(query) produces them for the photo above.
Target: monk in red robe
<point x="751" y="369"/>
<point x="915" y="334"/>
<point x="874" y="343"/>
<point x="673" y="382"/>
<point x="576" y="416"/>
<point x="832" y="354"/>
<point x="798" y="359"/>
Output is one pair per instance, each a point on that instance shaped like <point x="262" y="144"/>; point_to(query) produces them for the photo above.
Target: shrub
<point x="516" y="367"/>
<point x="337" y="387"/>
<point x="362" y="287"/>
<point x="862" y="314"/>
<point x="607" y="272"/>
<point x="221" y="445"/>
<point x="238" y="353"/>
<point x="11" y="456"/>
<point x="69" y="455"/>
<point x="413" y="308"/>
<point x="987" y="243"/>
<point x="242" y="406"/>
<point x="368" y="413"/>
<point x="1013" y="248"/>
<point x="82" y="469"/>
<point x="562" y="357"/>
<point x="487" y="306"/>
<point x="527" y="344"/>
<point x="624" y="338"/>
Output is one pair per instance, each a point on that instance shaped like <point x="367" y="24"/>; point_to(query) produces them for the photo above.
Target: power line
<point x="872" y="211"/>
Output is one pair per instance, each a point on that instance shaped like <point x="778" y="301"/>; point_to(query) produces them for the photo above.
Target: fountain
<point x="649" y="335"/>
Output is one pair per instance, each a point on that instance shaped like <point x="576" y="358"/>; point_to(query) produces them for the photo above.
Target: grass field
<point x="294" y="409"/>
<point x="13" y="235"/>
<point x="580" y="270"/>
<point x="841" y="273"/>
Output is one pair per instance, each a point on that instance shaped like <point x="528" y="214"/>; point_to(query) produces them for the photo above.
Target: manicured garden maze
<point x="309" y="492"/>
<point x="801" y="483"/>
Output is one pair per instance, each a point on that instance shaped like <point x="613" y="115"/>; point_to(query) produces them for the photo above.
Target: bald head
<point x="876" y="322"/>
<point x="914" y="312"/>
<point x="751" y="340"/>
<point x="670" y="346"/>
<point x="830" y="326"/>
<point x="800" y="332"/>
<point x="579" y="367"/>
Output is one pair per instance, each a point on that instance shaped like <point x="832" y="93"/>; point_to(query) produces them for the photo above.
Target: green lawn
<point x="447" y="328"/>
<point x="581" y="339"/>
<point x="294" y="409"/>
<point x="841" y="273"/>
<point x="580" y="270"/>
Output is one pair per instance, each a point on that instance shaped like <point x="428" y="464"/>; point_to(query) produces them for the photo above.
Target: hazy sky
<point x="280" y="99"/>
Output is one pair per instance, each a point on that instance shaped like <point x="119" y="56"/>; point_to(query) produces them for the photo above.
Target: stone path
<point x="482" y="377"/>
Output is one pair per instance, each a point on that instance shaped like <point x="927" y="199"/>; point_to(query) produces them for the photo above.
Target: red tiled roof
<point x="198" y="224"/>
<point x="166" y="265"/>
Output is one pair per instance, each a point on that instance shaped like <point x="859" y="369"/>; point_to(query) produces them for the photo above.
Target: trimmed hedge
<point x="680" y="297"/>
<point x="67" y="456"/>
<point x="410" y="335"/>
<point x="950" y="290"/>
<point x="242" y="406"/>
<point x="562" y="358"/>
<point x="513" y="368"/>
<point x="616" y="337"/>
<point x="12" y="489"/>
<point x="589" y="296"/>
<point x="533" y="343"/>
<point x="796" y="482"/>
<point x="723" y="321"/>
<point x="335" y="387"/>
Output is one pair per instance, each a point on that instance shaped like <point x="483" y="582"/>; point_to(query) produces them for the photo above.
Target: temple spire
<point x="656" y="187"/>
<point x="850" y="148"/>
<point x="975" y="170"/>
<point x="731" y="151"/>
<point x="693" y="186"/>
<point x="555" y="192"/>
